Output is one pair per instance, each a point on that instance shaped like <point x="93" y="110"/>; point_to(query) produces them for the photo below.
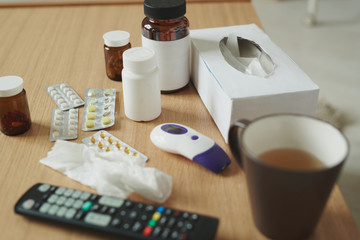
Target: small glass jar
<point x="115" y="43"/>
<point x="14" y="110"/>
<point x="165" y="29"/>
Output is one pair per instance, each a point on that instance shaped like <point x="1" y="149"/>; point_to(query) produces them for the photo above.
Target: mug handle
<point x="234" y="141"/>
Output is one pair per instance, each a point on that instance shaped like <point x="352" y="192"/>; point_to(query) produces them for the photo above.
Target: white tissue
<point x="110" y="173"/>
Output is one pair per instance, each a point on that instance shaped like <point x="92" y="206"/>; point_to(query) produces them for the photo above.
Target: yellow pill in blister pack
<point x="100" y="145"/>
<point x="108" y="92"/>
<point x="118" y="145"/>
<point x="91" y="108"/>
<point x="91" y="116"/>
<point x="90" y="123"/>
<point x="108" y="149"/>
<point x="102" y="135"/>
<point x="93" y="140"/>
<point x="106" y="120"/>
<point x="127" y="150"/>
<point x="110" y="140"/>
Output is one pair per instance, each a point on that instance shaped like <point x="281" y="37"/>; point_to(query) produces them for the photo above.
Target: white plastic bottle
<point x="141" y="89"/>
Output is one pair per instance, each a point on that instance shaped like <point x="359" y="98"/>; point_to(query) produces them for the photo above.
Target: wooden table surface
<point x="51" y="45"/>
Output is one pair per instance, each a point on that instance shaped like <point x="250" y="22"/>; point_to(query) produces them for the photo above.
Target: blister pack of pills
<point x="64" y="125"/>
<point x="106" y="142"/>
<point x="64" y="96"/>
<point x="99" y="110"/>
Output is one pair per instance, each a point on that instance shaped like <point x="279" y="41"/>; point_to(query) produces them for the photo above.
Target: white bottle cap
<point x="116" y="38"/>
<point x="10" y="86"/>
<point x="139" y="59"/>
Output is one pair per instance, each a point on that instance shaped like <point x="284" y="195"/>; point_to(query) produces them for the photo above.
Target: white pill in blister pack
<point x="99" y="109"/>
<point x="64" y="96"/>
<point x="106" y="142"/>
<point x="64" y="125"/>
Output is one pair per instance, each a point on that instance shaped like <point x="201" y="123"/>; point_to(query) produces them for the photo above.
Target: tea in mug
<point x="291" y="158"/>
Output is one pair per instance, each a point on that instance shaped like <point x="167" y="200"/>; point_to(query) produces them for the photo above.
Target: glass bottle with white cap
<point x="14" y="110"/>
<point x="115" y="43"/>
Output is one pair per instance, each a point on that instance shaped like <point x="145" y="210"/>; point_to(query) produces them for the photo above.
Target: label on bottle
<point x="173" y="60"/>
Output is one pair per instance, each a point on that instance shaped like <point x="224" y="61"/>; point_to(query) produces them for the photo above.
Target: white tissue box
<point x="251" y="87"/>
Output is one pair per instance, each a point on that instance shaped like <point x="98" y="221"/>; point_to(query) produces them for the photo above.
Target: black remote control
<point x="114" y="215"/>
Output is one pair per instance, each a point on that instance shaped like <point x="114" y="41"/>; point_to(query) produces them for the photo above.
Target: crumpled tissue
<point x="110" y="173"/>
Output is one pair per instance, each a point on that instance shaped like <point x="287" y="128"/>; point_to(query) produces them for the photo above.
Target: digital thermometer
<point x="180" y="139"/>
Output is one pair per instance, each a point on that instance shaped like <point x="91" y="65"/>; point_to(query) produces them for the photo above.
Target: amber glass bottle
<point x="14" y="110"/>
<point x="165" y="29"/>
<point x="116" y="43"/>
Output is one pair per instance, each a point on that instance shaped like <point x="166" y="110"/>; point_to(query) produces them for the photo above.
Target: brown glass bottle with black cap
<point x="165" y="29"/>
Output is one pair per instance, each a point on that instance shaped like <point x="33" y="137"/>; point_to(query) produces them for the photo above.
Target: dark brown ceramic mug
<point x="287" y="203"/>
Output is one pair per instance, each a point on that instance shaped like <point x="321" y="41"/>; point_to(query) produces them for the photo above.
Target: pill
<point x="60" y="100"/>
<point x="56" y="96"/>
<point x="72" y="127"/>
<point x="69" y="93"/>
<point x="107" y="113"/>
<point x="62" y="86"/>
<point x="71" y="132"/>
<point x="135" y="154"/>
<point x="58" y="112"/>
<point x="100" y="145"/>
<point x="93" y="140"/>
<point x="77" y="101"/>
<point x="73" y="97"/>
<point x="53" y="92"/>
<point x="50" y="89"/>
<point x="127" y="150"/>
<point x="118" y="145"/>
<point x="106" y="120"/>
<point x="91" y="108"/>
<point x="72" y="111"/>
<point x="64" y="105"/>
<point x="108" y="149"/>
<point x="107" y="100"/>
<point x="102" y="135"/>
<point x="90" y="123"/>
<point x="110" y="140"/>
<point x="59" y="117"/>
<point x="65" y="90"/>
<point x="107" y="107"/>
<point x="73" y="122"/>
<point x="92" y="93"/>
<point x="92" y="101"/>
<point x="91" y="116"/>
<point x="58" y="123"/>
<point x="56" y="134"/>
<point x="108" y="92"/>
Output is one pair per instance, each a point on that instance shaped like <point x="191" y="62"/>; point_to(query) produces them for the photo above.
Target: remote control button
<point x="147" y="231"/>
<point x="60" y="191"/>
<point x="129" y="204"/>
<point x="69" y="202"/>
<point x="61" y="200"/>
<point x="44" y="187"/>
<point x="156" y="231"/>
<point x="185" y="215"/>
<point x="70" y="213"/>
<point x="180" y="224"/>
<point x="171" y="222"/>
<point x="61" y="212"/>
<point x="163" y="220"/>
<point x="160" y="209"/>
<point x="78" y="204"/>
<point x="97" y="219"/>
<point x="133" y="214"/>
<point x="174" y="235"/>
<point x="53" y="209"/>
<point x="44" y="208"/>
<point x="194" y="217"/>
<point x="85" y="195"/>
<point x="116" y="222"/>
<point x="68" y="192"/>
<point x="156" y="216"/>
<point x="28" y="204"/>
<point x="165" y="234"/>
<point x="76" y="194"/>
<point x="53" y="198"/>
<point x="137" y="227"/>
<point x="112" y="211"/>
<point x="152" y="223"/>
<point x="111" y="202"/>
<point x="86" y="206"/>
<point x="149" y="208"/>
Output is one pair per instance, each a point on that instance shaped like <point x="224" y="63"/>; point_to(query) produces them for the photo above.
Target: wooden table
<point x="51" y="45"/>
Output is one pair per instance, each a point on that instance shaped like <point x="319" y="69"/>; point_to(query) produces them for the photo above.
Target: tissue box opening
<point x="230" y="94"/>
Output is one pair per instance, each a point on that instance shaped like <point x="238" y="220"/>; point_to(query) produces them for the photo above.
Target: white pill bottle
<point x="141" y="88"/>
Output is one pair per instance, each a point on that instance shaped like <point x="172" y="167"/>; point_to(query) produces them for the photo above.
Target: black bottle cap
<point x="164" y="9"/>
